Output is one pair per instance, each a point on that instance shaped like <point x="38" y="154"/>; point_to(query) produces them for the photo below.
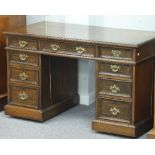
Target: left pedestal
<point x="38" y="86"/>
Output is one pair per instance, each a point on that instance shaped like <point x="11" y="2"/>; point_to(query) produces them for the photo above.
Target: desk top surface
<point x="92" y="34"/>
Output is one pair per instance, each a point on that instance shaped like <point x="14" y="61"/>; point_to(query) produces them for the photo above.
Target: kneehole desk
<point x="42" y="74"/>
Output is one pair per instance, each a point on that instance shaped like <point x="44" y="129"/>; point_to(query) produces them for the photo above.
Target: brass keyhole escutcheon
<point x="23" y="43"/>
<point x="116" y="53"/>
<point x="23" y="96"/>
<point x="23" y="76"/>
<point x="115" y="111"/>
<point x="115" y="68"/>
<point x="114" y="89"/>
<point x="80" y="50"/>
<point x="55" y="47"/>
<point x="23" y="57"/>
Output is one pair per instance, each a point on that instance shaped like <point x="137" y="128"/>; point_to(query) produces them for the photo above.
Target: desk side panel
<point x="144" y="82"/>
<point x="45" y="81"/>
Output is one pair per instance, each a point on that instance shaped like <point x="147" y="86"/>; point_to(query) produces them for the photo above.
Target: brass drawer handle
<point x="114" y="111"/>
<point x="115" y="68"/>
<point x="116" y="53"/>
<point x="23" y="76"/>
<point x="23" y="96"/>
<point x="23" y="57"/>
<point x="55" y="47"/>
<point x="114" y="89"/>
<point x="23" y="43"/>
<point x="80" y="50"/>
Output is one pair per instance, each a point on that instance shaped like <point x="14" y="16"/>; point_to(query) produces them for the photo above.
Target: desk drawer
<point x="68" y="48"/>
<point x="23" y="58"/>
<point x="115" y="53"/>
<point x="115" y="88"/>
<point x="115" y="69"/>
<point x="22" y="43"/>
<point x="23" y="96"/>
<point x="114" y="109"/>
<point x="24" y="75"/>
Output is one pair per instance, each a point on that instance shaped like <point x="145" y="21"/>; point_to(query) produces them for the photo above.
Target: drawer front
<point x="23" y="96"/>
<point x="68" y="49"/>
<point x="115" y="109"/>
<point x="22" y="43"/>
<point x="115" y="88"/>
<point x="23" y="58"/>
<point x="24" y="75"/>
<point x="115" y="69"/>
<point x="115" y="53"/>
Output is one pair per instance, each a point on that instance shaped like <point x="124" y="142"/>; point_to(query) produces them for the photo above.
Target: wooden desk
<point x="7" y="23"/>
<point x="42" y="79"/>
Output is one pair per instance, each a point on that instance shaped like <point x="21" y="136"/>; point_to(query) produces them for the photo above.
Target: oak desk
<point x="42" y="74"/>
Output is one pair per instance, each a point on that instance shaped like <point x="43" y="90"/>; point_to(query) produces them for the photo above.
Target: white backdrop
<point x="142" y="22"/>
